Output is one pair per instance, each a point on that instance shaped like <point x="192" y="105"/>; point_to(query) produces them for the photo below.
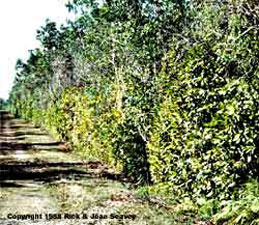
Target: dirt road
<point x="42" y="183"/>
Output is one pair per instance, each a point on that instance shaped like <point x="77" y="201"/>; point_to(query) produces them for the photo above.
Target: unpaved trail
<point x="38" y="178"/>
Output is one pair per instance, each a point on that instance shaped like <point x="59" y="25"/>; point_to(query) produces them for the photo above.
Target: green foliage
<point x="167" y="91"/>
<point x="204" y="139"/>
<point x="207" y="208"/>
<point x="2" y="104"/>
<point x="245" y="209"/>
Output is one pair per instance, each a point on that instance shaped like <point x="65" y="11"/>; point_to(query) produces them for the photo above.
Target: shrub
<point x="244" y="209"/>
<point x="204" y="140"/>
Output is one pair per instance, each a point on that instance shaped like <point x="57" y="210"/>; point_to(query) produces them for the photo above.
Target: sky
<point x="19" y="21"/>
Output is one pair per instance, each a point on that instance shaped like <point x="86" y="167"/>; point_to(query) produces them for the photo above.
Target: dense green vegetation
<point x="2" y="104"/>
<point x="167" y="91"/>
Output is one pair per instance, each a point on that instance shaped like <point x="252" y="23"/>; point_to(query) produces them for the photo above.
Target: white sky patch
<point x="19" y="21"/>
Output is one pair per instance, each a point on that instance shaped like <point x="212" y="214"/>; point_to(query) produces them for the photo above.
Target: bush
<point x="244" y="209"/>
<point x="204" y="139"/>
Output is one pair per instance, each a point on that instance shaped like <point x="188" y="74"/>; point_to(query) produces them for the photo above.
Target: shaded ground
<point x="38" y="176"/>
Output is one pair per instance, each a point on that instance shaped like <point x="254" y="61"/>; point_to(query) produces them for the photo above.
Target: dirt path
<point x="41" y="183"/>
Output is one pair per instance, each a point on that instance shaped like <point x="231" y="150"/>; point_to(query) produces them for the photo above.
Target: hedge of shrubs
<point x="170" y="96"/>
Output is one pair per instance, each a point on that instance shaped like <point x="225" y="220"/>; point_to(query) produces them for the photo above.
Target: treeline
<point x="166" y="90"/>
<point x="2" y="104"/>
